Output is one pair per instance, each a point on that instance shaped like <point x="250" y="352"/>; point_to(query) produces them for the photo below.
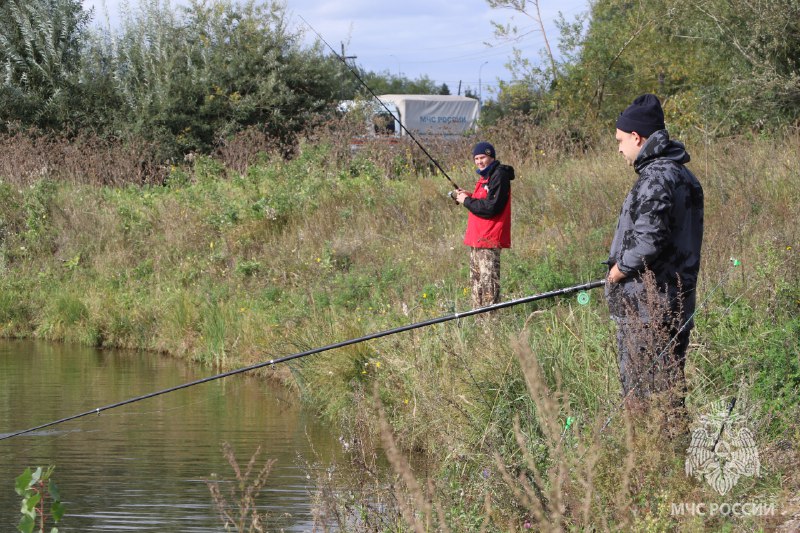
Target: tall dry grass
<point x="28" y="157"/>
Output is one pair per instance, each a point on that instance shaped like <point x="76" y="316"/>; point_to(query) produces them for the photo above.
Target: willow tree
<point x="40" y="44"/>
<point x="192" y="76"/>
<point x="756" y="46"/>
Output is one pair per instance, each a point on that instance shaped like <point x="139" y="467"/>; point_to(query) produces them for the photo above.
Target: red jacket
<point x="489" y="220"/>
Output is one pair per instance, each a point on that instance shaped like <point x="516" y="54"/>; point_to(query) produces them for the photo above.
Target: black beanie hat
<point x="644" y="116"/>
<point x="483" y="148"/>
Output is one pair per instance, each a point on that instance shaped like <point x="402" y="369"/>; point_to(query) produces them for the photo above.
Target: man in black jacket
<point x="655" y="256"/>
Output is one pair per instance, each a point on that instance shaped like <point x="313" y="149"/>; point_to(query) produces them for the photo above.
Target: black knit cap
<point x="644" y="116"/>
<point x="483" y="148"/>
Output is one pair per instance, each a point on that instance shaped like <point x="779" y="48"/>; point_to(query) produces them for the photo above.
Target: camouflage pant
<point x="484" y="269"/>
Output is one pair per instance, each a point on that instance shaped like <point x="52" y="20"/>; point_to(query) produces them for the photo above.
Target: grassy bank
<point x="229" y="268"/>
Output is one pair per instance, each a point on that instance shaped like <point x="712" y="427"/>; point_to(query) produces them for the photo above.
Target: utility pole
<point x="345" y="57"/>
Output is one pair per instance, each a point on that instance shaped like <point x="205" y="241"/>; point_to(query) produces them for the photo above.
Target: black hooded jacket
<point x="660" y="226"/>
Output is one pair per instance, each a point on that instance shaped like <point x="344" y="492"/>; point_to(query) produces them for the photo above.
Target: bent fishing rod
<point x="399" y="121"/>
<point x="272" y="362"/>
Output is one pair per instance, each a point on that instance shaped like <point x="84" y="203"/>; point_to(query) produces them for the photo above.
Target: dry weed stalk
<point x="239" y="509"/>
<point x="544" y="498"/>
<point x="624" y="493"/>
<point x="655" y="375"/>
<point x="27" y="157"/>
<point x="243" y="150"/>
<point x="420" y="502"/>
<point x="555" y="496"/>
<point x="526" y="141"/>
<point x="560" y="494"/>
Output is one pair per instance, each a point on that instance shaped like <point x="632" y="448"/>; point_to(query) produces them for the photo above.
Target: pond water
<point x="144" y="466"/>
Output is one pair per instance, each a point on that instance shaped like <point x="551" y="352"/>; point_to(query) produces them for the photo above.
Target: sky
<point x="443" y="39"/>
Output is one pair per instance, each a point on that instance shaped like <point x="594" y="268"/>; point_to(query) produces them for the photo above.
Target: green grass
<point x="229" y="270"/>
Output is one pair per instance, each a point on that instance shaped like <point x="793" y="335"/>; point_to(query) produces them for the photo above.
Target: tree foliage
<point x="756" y="49"/>
<point x="188" y="78"/>
<point x="720" y="66"/>
<point x="40" y="44"/>
<point x="386" y="83"/>
<point x="192" y="80"/>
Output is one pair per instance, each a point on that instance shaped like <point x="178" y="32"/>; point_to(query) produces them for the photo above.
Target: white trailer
<point x="432" y="114"/>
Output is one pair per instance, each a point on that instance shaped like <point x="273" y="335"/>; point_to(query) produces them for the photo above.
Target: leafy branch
<point x="37" y="488"/>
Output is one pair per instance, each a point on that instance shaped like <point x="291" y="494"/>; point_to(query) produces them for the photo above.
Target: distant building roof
<point x="428" y="97"/>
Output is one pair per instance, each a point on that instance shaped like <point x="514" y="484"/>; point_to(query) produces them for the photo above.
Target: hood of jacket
<point x="660" y="146"/>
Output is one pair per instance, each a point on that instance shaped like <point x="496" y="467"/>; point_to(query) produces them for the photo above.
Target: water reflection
<point x="143" y="466"/>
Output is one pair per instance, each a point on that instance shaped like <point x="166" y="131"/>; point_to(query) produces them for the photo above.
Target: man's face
<point x="482" y="161"/>
<point x="629" y="145"/>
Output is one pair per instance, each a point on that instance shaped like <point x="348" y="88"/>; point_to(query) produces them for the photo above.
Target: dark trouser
<point x="647" y="366"/>
<point x="484" y="267"/>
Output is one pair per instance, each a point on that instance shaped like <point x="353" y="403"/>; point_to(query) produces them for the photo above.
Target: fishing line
<point x="30" y="453"/>
<point x="399" y="121"/>
<point x="341" y="344"/>
<point x="57" y="435"/>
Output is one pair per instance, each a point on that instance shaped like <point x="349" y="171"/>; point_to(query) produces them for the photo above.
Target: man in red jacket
<point x="488" y="223"/>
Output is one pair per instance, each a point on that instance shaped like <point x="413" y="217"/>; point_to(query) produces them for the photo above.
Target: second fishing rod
<point x="358" y="77"/>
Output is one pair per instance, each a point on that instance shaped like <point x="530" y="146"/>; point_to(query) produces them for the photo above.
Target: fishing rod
<point x="399" y="121"/>
<point x="272" y="362"/>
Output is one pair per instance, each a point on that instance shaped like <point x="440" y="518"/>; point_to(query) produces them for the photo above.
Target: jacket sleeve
<point x="651" y="229"/>
<point x="497" y="197"/>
